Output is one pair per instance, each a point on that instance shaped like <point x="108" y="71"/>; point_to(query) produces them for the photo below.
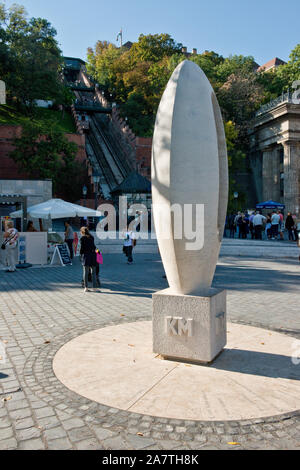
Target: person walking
<point x="88" y="258"/>
<point x="69" y="238"/>
<point x="275" y="220"/>
<point x="11" y="246"/>
<point x="281" y="225"/>
<point x="237" y="222"/>
<point x="129" y="243"/>
<point x="243" y="230"/>
<point x="268" y="227"/>
<point x="296" y="228"/>
<point x="258" y="221"/>
<point x="290" y="225"/>
<point x="251" y="225"/>
<point x="231" y="225"/>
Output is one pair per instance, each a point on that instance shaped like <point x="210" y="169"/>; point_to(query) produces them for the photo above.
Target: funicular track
<point x="103" y="148"/>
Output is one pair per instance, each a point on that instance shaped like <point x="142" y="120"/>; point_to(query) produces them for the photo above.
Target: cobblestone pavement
<point x="43" y="308"/>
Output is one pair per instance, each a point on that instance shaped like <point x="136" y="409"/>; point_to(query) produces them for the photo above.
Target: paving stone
<point x="24" y="423"/>
<point x="29" y="433"/>
<point x="44" y="412"/>
<point x="89" y="444"/>
<point x="167" y="444"/>
<point x="32" y="444"/>
<point x="20" y="414"/>
<point x="4" y="422"/>
<point x="49" y="422"/>
<point x="102" y="433"/>
<point x="55" y="433"/>
<point x="50" y="308"/>
<point x="59" y="444"/>
<point x="8" y="444"/>
<point x="3" y="412"/>
<point x="80" y="434"/>
<point x="6" y="433"/>
<point x="139" y="442"/>
<point x="16" y="405"/>
<point x="72" y="423"/>
<point x="116" y="443"/>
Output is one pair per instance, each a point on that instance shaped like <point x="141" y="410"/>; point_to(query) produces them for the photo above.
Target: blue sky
<point x="261" y="28"/>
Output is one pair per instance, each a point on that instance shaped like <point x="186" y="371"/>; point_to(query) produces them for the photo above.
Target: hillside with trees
<point x="135" y="79"/>
<point x="31" y="66"/>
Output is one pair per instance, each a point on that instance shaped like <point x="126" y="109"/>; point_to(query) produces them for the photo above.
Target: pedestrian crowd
<point x="257" y="226"/>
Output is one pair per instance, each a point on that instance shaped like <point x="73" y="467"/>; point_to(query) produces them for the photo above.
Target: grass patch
<point x="9" y="116"/>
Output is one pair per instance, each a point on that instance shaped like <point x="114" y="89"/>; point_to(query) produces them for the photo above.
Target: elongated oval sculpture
<point x="189" y="180"/>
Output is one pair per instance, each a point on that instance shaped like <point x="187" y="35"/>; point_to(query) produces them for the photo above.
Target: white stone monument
<point x="2" y="92"/>
<point x="189" y="191"/>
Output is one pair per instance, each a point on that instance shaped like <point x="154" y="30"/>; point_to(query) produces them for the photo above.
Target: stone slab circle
<point x="255" y="377"/>
<point x="189" y="170"/>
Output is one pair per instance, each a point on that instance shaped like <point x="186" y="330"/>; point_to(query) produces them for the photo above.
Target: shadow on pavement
<point x="257" y="363"/>
<point x="146" y="277"/>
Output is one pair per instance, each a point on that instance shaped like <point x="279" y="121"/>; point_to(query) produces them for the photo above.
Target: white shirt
<point x="258" y="219"/>
<point x="128" y="238"/>
<point x="13" y="235"/>
<point x="275" y="219"/>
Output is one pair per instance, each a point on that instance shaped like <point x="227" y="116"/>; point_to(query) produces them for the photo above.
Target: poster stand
<point x="61" y="253"/>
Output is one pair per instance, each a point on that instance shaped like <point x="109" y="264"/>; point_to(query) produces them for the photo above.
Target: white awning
<point x="57" y="209"/>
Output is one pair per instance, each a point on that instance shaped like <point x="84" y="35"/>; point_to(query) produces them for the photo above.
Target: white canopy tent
<point x="57" y="209"/>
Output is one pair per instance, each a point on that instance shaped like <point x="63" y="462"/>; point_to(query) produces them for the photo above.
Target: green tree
<point x="101" y="63"/>
<point x="290" y="72"/>
<point x="136" y="77"/>
<point x="46" y="153"/>
<point x="209" y="62"/>
<point x="240" y="96"/>
<point x="153" y="48"/>
<point x="33" y="58"/>
<point x="235" y="64"/>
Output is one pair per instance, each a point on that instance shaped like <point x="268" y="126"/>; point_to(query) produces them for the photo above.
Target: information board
<point x="61" y="253"/>
<point x="22" y="249"/>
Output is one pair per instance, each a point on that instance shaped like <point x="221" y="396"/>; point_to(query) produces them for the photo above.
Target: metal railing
<point x="283" y="98"/>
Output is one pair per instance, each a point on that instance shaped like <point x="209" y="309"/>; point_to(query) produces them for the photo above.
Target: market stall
<point x="270" y="205"/>
<point x="38" y="247"/>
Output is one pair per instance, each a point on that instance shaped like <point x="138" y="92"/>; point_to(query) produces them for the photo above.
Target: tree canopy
<point x="136" y="79"/>
<point x="44" y="152"/>
<point x="30" y="59"/>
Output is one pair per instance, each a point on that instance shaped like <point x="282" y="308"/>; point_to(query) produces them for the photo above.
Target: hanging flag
<point x="120" y="35"/>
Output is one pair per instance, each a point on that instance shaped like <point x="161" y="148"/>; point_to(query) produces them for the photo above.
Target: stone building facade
<point x="275" y="153"/>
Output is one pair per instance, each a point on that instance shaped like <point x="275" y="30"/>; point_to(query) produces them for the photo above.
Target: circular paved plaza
<point x="254" y="377"/>
<point x="43" y="310"/>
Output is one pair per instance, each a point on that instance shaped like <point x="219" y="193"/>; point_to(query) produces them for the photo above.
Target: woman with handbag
<point x="10" y="244"/>
<point x="88" y="258"/>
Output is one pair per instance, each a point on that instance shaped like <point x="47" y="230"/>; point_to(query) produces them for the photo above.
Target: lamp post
<point x="84" y="192"/>
<point x="235" y="195"/>
<point x="96" y="180"/>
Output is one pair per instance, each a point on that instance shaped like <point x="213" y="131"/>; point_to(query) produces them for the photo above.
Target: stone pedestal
<point x="187" y="327"/>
